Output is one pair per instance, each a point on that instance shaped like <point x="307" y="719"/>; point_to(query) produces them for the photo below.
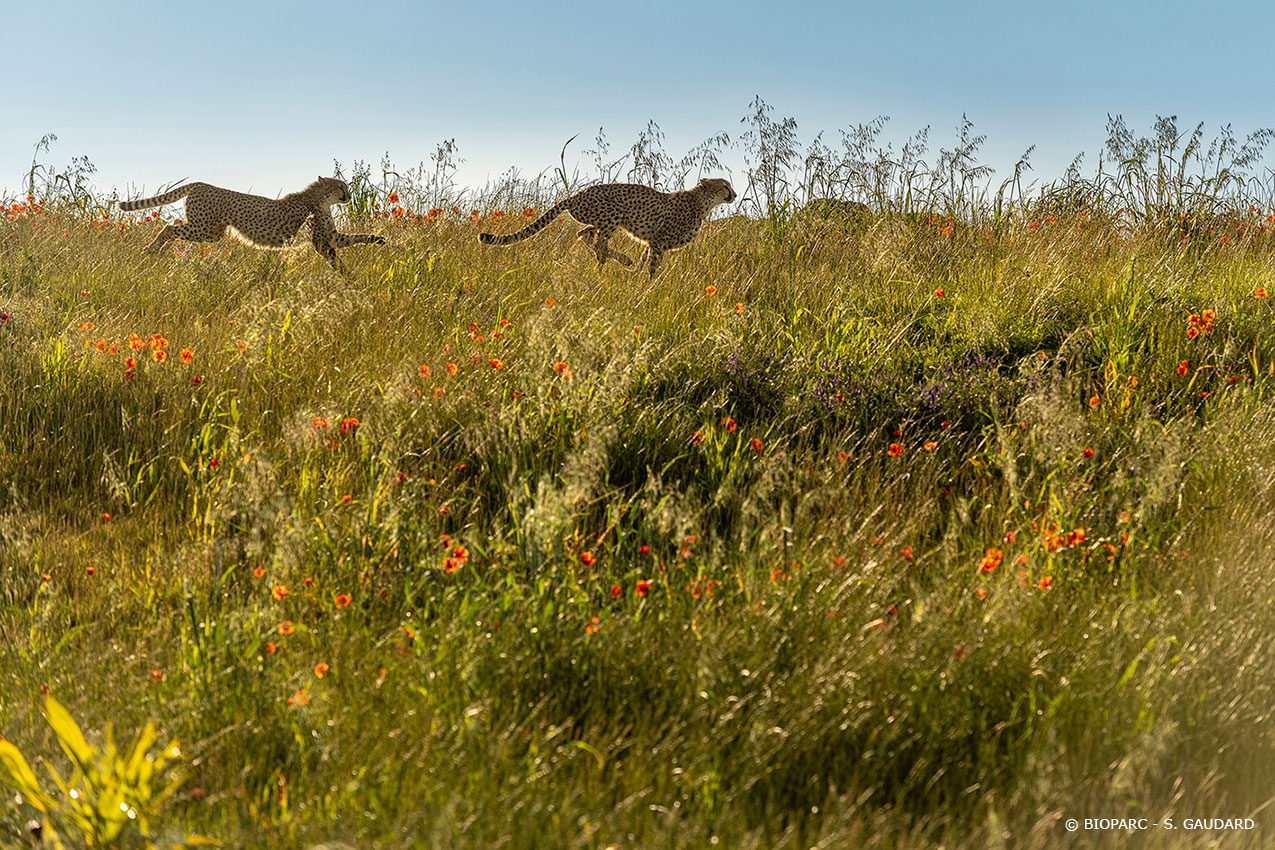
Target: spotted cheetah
<point x="257" y="220"/>
<point x="661" y="220"/>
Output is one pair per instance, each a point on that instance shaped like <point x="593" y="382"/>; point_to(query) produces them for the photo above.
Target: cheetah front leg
<point x="589" y="235"/>
<point x="322" y="238"/>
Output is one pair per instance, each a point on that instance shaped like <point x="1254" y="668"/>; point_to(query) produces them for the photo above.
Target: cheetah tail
<point x="157" y="201"/>
<point x="528" y="231"/>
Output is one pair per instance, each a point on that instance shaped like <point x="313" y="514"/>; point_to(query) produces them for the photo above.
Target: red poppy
<point x="642" y="588"/>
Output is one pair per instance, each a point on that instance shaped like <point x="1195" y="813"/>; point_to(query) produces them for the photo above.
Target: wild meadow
<point x="934" y="525"/>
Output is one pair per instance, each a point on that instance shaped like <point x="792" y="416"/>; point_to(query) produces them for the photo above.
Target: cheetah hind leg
<point x="657" y="254"/>
<point x="589" y="236"/>
<point x="184" y="230"/>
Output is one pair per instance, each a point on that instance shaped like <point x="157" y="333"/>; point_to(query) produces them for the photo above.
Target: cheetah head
<point x="719" y="191"/>
<point x="332" y="190"/>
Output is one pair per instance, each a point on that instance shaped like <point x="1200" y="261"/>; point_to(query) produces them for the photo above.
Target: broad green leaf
<point x="69" y="734"/>
<point x="138" y="757"/>
<point x="22" y="775"/>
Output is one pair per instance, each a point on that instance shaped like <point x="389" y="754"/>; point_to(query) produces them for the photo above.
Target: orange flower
<point x="938" y="293"/>
<point x="990" y="561"/>
<point x="259" y="572"/>
<point x="496" y="364"/>
<point x="342" y="600"/>
<point x="930" y="446"/>
<point x="587" y="558"/>
<point x="321" y="669"/>
<point x="981" y="593"/>
<point x="1192" y="332"/>
<point x="1182" y="367"/>
<point x="186" y="355"/>
<point x="422" y="371"/>
<point x="460" y="553"/>
<point x="159" y="355"/>
<point x="739" y="307"/>
<point x="100" y="345"/>
<point x="241" y="345"/>
<point x="1094" y="401"/>
<point x="348" y="424"/>
<point x="1045" y="582"/>
<point x="1260" y="292"/>
<point x="86" y="326"/>
<point x="729" y="423"/>
<point x="278" y="592"/>
<point x="906" y="552"/>
<point x="642" y="588"/>
<point x="529" y="212"/>
<point x="301" y="697"/>
<point x="560" y="367"/>
<point x="757" y="446"/>
<point x="894" y="450"/>
<point x="842" y="457"/>
<point x="270" y="648"/>
<point x="319" y="423"/>
<point x="286" y="627"/>
<point x="697" y="438"/>
<point x="452" y="368"/>
<point x="438" y="391"/>
<point x="710" y="290"/>
<point x="393" y="198"/>
<point x="1133" y="381"/>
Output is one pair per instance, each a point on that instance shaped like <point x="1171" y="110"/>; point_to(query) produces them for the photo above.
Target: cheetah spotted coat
<point x="257" y="220"/>
<point x="661" y="220"/>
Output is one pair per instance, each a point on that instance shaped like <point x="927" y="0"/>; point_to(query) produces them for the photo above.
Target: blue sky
<point x="263" y="97"/>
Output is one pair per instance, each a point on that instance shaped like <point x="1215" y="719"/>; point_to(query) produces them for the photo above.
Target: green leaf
<point x="22" y="776"/>
<point x="137" y="758"/>
<point x="69" y="734"/>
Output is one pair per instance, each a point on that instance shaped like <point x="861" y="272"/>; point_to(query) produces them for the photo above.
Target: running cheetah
<point x="257" y="220"/>
<point x="661" y="220"/>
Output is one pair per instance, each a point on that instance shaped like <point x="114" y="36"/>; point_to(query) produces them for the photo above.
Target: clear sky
<point x="264" y="96"/>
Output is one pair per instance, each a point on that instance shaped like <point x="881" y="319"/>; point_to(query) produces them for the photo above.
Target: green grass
<point x="819" y="660"/>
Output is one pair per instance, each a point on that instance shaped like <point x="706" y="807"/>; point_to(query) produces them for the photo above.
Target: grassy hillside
<point x="885" y="532"/>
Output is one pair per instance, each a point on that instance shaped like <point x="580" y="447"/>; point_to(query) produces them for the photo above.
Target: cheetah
<point x="662" y="221"/>
<point x="257" y="220"/>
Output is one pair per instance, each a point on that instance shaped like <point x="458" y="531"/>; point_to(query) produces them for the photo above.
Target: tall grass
<point x="648" y="570"/>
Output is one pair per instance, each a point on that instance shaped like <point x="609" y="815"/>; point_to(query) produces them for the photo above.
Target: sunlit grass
<point x="906" y="533"/>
